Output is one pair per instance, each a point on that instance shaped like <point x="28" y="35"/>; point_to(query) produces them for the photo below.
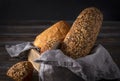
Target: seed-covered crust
<point x="83" y="33"/>
<point x="20" y="71"/>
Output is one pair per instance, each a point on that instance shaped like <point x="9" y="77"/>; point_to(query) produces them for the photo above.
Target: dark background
<point x="55" y="9"/>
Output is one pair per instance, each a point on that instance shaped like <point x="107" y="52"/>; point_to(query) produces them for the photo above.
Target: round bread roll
<point x="83" y="33"/>
<point x="47" y="39"/>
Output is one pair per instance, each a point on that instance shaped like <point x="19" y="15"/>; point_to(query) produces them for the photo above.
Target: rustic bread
<point x="33" y="54"/>
<point x="83" y="33"/>
<point x="50" y="36"/>
<point x="21" y="71"/>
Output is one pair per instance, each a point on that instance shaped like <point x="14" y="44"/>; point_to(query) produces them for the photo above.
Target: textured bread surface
<point x="47" y="39"/>
<point x="21" y="71"/>
<point x="83" y="33"/>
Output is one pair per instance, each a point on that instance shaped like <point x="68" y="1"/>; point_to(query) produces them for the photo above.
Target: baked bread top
<point x="83" y="33"/>
<point x="50" y="36"/>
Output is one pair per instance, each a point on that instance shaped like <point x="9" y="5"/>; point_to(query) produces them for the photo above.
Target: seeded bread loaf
<point x="83" y="33"/>
<point x="21" y="71"/>
<point x="50" y="36"/>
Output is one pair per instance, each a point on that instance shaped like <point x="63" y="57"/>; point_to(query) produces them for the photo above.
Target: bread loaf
<point x="50" y="36"/>
<point x="21" y="71"/>
<point x="83" y="33"/>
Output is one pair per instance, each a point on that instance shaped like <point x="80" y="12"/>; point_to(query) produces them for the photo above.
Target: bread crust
<point x="21" y="71"/>
<point x="83" y="33"/>
<point x="49" y="37"/>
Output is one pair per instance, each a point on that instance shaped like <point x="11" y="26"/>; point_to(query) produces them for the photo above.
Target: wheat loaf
<point x="83" y="33"/>
<point x="21" y="71"/>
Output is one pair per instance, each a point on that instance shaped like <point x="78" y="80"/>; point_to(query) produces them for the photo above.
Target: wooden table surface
<point x="23" y="31"/>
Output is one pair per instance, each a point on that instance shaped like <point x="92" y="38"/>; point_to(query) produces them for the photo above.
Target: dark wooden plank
<point x="50" y="22"/>
<point x="28" y="22"/>
<point x="22" y="29"/>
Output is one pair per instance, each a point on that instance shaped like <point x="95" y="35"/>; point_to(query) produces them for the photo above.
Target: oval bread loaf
<point x="47" y="39"/>
<point x="83" y="33"/>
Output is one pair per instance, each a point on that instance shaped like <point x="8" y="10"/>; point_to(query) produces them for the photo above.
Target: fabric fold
<point x="56" y="66"/>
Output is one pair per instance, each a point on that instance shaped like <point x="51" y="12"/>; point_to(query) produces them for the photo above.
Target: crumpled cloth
<point x="16" y="50"/>
<point x="56" y="66"/>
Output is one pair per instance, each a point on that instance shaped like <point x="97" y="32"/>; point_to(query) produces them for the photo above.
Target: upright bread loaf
<point x="83" y="33"/>
<point x="47" y="39"/>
